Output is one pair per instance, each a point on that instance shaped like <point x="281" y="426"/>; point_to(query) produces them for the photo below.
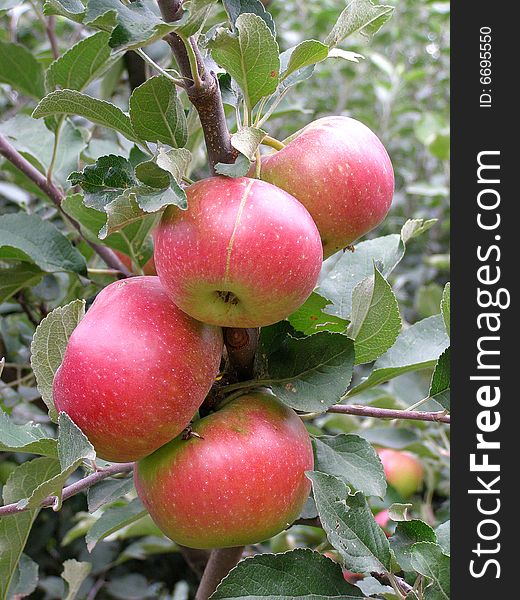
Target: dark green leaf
<point x="25" y="438"/>
<point x="71" y="102"/>
<point x="157" y="114"/>
<point x="15" y="276"/>
<point x="301" y="574"/>
<point x="429" y="560"/>
<point x="407" y="533"/>
<point x="376" y="321"/>
<point x="353" y="460"/>
<point x="28" y="238"/>
<point x="417" y="347"/>
<point x="14" y="529"/>
<point x="21" y="70"/>
<point x="112" y="519"/>
<point x="350" y="525"/>
<point x="235" y="8"/>
<point x="250" y="56"/>
<point x="440" y="383"/>
<point x="108" y="491"/>
<point x="311" y="318"/>
<point x="311" y="373"/>
<point x="81" y="64"/>
<point x="361" y="16"/>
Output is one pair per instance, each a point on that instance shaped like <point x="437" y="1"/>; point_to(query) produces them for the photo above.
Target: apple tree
<point x="202" y="343"/>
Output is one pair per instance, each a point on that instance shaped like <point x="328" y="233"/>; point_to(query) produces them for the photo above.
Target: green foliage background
<point x="401" y="91"/>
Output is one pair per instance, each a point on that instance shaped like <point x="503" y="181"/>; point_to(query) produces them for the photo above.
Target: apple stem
<point x="219" y="564"/>
<point x="273" y="143"/>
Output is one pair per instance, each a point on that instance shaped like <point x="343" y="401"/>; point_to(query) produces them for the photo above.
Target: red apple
<point x="340" y="171"/>
<point x="244" y="254"/>
<point x="136" y="369"/>
<point x="148" y="269"/>
<point x="403" y="471"/>
<point x="241" y="482"/>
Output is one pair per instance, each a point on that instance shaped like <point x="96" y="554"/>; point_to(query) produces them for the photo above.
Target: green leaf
<point x="304" y="54"/>
<point x="301" y="574"/>
<point x="112" y="188"/>
<point x="21" y="70"/>
<point x="107" y="491"/>
<point x="440" y="383"/>
<point x="239" y="168"/>
<point x="417" y="347"/>
<point x="156" y="172"/>
<point x="250" y="57"/>
<point x="14" y="529"/>
<point x="443" y="537"/>
<point x="112" y="519"/>
<point x="429" y="560"/>
<point x="104" y="180"/>
<point x="34" y="141"/>
<point x="350" y="525"/>
<point x="49" y="344"/>
<point x="345" y="55"/>
<point x="407" y="533"/>
<point x="247" y="140"/>
<point x="73" y="449"/>
<point x="376" y="321"/>
<point x="15" y="276"/>
<point x="25" y="579"/>
<point x="343" y="271"/>
<point x="25" y="438"/>
<point x="399" y="511"/>
<point x="134" y="240"/>
<point x="157" y="114"/>
<point x="353" y="460"/>
<point x="312" y="373"/>
<point x="359" y="16"/>
<point x="81" y="64"/>
<point x="235" y="8"/>
<point x="28" y="238"/>
<point x="72" y="102"/>
<point x="72" y="9"/>
<point x="74" y="573"/>
<point x="445" y="306"/>
<point x="310" y="317"/>
<point x="136" y="25"/>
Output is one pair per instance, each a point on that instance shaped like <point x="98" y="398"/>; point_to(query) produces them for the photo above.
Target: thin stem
<point x="258" y="164"/>
<point x="220" y="562"/>
<point x="110" y="272"/>
<point x="73" y="489"/>
<point x="420" y="403"/>
<point x="192" y="57"/>
<point x="55" y="148"/>
<point x="159" y="69"/>
<point x="273" y="143"/>
<point x="387" y="413"/>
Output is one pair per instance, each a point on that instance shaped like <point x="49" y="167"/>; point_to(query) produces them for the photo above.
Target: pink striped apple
<point x="240" y="481"/>
<point x="244" y="254"/>
<point x="136" y="369"/>
<point x="340" y="171"/>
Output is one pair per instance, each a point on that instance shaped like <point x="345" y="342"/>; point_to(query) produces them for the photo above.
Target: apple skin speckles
<point x="340" y="171"/>
<point x="244" y="254"/>
<point x="136" y="369"/>
<point x="240" y="483"/>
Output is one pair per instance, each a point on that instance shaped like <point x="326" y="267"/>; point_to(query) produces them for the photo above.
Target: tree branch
<point x="73" y="488"/>
<point x="241" y="347"/>
<point x="14" y="157"/>
<point x="386" y="413"/>
<point x="219" y="564"/>
<point x="205" y="97"/>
